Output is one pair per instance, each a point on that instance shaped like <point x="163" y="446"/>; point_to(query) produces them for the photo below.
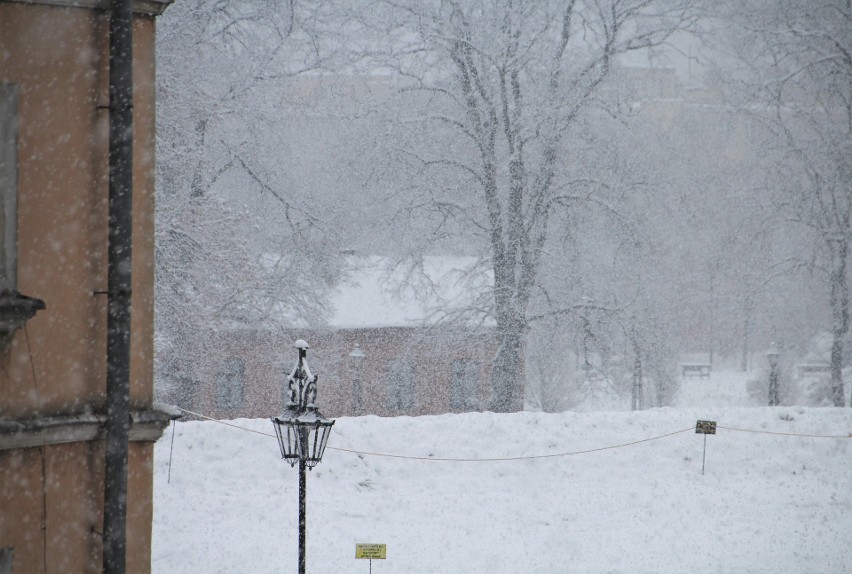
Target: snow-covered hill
<point x="766" y="503"/>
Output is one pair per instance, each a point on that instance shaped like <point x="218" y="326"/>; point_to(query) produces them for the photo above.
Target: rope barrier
<point x="221" y="422"/>
<point x="786" y="433"/>
<point x="439" y="459"/>
<point x="530" y="457"/>
<point x="553" y="455"/>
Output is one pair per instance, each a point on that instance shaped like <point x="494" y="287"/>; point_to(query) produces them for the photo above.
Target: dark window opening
<point x="15" y="309"/>
<point x="6" y="556"/>
<point x="400" y="385"/>
<point x="229" y="384"/>
<point x="8" y="186"/>
<point x="464" y="384"/>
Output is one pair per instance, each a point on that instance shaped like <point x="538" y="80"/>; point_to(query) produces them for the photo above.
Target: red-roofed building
<point x="398" y="341"/>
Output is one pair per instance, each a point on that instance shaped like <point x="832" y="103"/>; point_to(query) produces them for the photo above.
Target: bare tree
<point x="238" y="239"/>
<point x="504" y="86"/>
<point x="796" y="59"/>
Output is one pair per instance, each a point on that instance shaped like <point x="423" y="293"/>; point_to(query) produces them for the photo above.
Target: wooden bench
<point x="812" y="370"/>
<point x="701" y="370"/>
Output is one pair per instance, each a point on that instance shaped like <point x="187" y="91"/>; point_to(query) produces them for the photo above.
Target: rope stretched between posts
<point x="500" y="459"/>
<point x="530" y="457"/>
<point x="786" y="433"/>
<point x="849" y="435"/>
<point x="221" y="422"/>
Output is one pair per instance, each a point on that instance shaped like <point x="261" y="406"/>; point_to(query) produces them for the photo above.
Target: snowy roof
<point x="379" y="293"/>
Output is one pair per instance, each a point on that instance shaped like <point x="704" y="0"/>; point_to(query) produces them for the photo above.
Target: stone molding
<point x="148" y="7"/>
<point x="146" y="426"/>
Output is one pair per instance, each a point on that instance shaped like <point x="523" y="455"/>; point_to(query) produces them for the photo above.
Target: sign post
<point x="370" y="552"/>
<point x="705" y="428"/>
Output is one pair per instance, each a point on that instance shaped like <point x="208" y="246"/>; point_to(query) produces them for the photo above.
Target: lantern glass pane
<point x="288" y="442"/>
<point x="314" y="441"/>
<point x="305" y="444"/>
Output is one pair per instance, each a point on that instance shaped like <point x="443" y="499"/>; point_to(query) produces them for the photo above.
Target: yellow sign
<point x="371" y="551"/>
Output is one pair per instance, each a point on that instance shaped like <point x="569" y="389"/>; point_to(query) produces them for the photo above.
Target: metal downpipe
<point x="119" y="286"/>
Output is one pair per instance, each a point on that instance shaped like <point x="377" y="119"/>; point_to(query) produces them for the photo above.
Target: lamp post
<point x="302" y="431"/>
<point x="586" y="306"/>
<point x="772" y="356"/>
<point x="357" y="356"/>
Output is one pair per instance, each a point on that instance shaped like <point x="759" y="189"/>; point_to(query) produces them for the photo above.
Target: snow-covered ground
<point x="766" y="503"/>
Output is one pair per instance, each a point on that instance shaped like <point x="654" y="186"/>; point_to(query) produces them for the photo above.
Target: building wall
<point x="269" y="357"/>
<point x="51" y="496"/>
<point x="62" y="205"/>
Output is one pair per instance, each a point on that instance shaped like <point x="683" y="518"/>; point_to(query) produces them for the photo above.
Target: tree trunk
<point x="507" y="374"/>
<point x="712" y="318"/>
<point x="637" y="375"/>
<point x="840" y="315"/>
<point x="747" y="312"/>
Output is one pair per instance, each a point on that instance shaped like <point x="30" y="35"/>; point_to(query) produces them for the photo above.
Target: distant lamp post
<point x="772" y="356"/>
<point x="357" y="356"/>
<point x="302" y="431"/>
<point x="587" y="304"/>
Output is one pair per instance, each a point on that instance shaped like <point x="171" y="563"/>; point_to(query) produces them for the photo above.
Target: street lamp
<point x="586" y="306"/>
<point x="302" y="431"/>
<point x="772" y="356"/>
<point x="357" y="356"/>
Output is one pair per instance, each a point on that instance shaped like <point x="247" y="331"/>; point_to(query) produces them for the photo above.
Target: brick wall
<point x="405" y="371"/>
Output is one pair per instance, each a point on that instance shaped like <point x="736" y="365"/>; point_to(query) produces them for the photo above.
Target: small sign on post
<point x="371" y="552"/>
<point x="705" y="428"/>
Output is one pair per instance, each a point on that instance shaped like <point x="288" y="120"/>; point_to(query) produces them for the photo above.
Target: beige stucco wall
<point x="51" y="497"/>
<point x="59" y="364"/>
<point x="50" y="507"/>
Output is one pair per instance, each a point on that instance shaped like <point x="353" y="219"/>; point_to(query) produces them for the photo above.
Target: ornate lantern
<point x="302" y="430"/>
